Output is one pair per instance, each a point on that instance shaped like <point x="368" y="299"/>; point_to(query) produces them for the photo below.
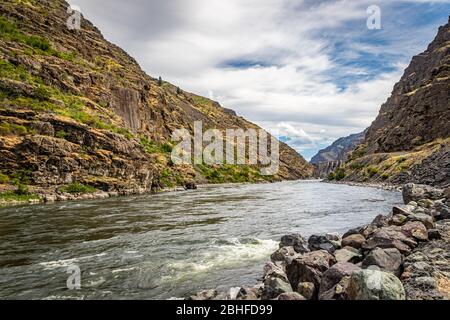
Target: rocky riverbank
<point x="402" y="255"/>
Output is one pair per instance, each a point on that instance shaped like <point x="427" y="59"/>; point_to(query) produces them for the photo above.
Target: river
<point x="171" y="244"/>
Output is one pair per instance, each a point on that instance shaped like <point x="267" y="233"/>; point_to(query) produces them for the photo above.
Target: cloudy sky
<point x="309" y="71"/>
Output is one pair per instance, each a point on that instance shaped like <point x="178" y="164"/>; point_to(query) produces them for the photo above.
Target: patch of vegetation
<point x="40" y="45"/>
<point x="231" y="173"/>
<point x="152" y="147"/>
<point x="385" y="176"/>
<point x="4" y="178"/>
<point x="340" y="174"/>
<point x="359" y="152"/>
<point x="10" y="196"/>
<point x="61" y="134"/>
<point x="75" y="188"/>
<point x="401" y="160"/>
<point x="372" y="171"/>
<point x="7" y="129"/>
<point x="48" y="99"/>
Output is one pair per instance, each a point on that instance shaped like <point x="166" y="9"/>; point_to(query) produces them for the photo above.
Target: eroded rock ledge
<point x="402" y="255"/>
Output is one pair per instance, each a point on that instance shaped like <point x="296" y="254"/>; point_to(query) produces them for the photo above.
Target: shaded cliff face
<point x="410" y="139"/>
<point x="76" y="108"/>
<point x="418" y="110"/>
<point x="338" y="151"/>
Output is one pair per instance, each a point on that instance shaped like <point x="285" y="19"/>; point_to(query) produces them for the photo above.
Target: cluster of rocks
<point x="404" y="255"/>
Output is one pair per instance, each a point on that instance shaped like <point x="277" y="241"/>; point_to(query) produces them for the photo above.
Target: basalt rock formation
<point x="76" y="109"/>
<point x="410" y="139"/>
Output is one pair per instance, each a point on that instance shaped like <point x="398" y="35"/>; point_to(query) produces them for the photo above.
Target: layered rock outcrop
<point x="76" y="108"/>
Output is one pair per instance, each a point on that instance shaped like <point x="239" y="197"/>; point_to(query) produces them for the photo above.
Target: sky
<point x="308" y="71"/>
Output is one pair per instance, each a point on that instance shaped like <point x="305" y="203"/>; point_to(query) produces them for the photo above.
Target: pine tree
<point x="178" y="90"/>
<point x="160" y="81"/>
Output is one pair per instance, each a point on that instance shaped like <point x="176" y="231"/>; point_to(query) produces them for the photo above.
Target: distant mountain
<point x="339" y="150"/>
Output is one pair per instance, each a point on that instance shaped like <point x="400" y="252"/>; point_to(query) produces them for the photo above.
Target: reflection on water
<point x="169" y="245"/>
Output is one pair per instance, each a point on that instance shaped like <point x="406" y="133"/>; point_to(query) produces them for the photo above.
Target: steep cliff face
<point x="76" y="108"/>
<point x="410" y="139"/>
<point x="418" y="110"/>
<point x="338" y="150"/>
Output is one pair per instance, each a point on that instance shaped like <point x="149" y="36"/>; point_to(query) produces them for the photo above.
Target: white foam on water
<point x="234" y="254"/>
<point x="67" y="262"/>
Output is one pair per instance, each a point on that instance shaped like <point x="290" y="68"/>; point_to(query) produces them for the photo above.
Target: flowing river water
<point x="170" y="244"/>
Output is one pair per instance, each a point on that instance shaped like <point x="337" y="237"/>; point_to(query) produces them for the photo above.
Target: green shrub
<point x="3" y="178"/>
<point x="339" y="174"/>
<point x="331" y="176"/>
<point x="14" y="129"/>
<point x="61" y="134"/>
<point x="78" y="188"/>
<point x="42" y="94"/>
<point x="385" y="176"/>
<point x="13" y="196"/>
<point x="372" y="171"/>
<point x="22" y="190"/>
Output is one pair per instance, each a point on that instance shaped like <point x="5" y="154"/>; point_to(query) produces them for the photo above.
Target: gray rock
<point x="355" y="241"/>
<point x="309" y="268"/>
<point x="296" y="241"/>
<point x="389" y="238"/>
<point x="290" y="296"/>
<point x="317" y="242"/>
<point x="284" y="254"/>
<point x="388" y="260"/>
<point x="398" y="220"/>
<point x="416" y="230"/>
<point x="415" y="192"/>
<point x="427" y="220"/>
<point x="272" y="270"/>
<point x="273" y="287"/>
<point x="352" y="232"/>
<point x="332" y="277"/>
<point x="348" y="254"/>
<point x="375" y="285"/>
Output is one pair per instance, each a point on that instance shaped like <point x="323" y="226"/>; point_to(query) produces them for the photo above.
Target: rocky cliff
<point x="77" y="111"/>
<point x="338" y="150"/>
<point x="410" y="139"/>
<point x="419" y="108"/>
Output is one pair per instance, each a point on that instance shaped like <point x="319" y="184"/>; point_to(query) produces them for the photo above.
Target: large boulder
<point x="320" y="242"/>
<point x="332" y="278"/>
<point x="272" y="270"/>
<point x="296" y="241"/>
<point x="388" y="260"/>
<point x="348" y="254"/>
<point x="355" y="241"/>
<point x="389" y="238"/>
<point x="426" y="219"/>
<point x="415" y="192"/>
<point x="309" y="268"/>
<point x="273" y="287"/>
<point x="284" y="254"/>
<point x="374" y="285"/>
<point x="416" y="230"/>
